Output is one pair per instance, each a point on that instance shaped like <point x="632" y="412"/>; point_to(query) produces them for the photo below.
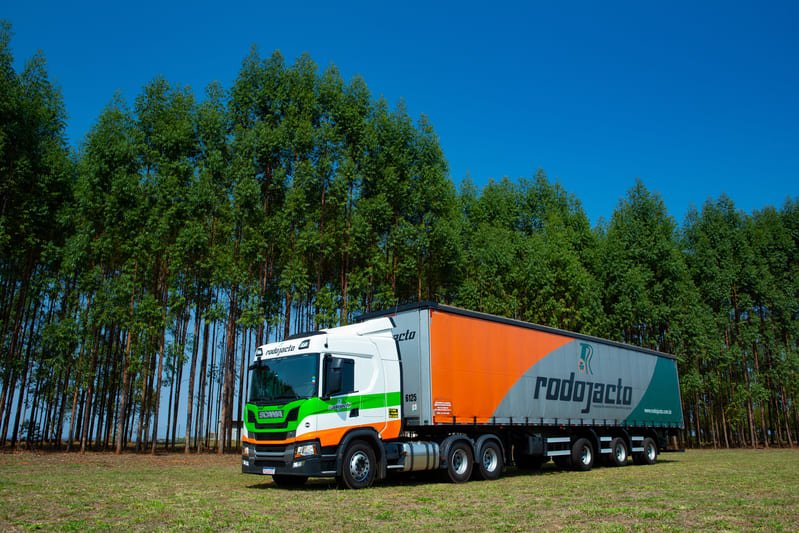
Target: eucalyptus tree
<point x="773" y="319"/>
<point x="492" y="247"/>
<point x="557" y="283"/>
<point x="642" y="271"/>
<point x="167" y="148"/>
<point x="201" y="239"/>
<point x="102" y="247"/>
<point x="346" y="238"/>
<point x="409" y="200"/>
<point x="35" y="186"/>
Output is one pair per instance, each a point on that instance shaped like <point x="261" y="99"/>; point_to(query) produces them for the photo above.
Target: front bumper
<point x="279" y="459"/>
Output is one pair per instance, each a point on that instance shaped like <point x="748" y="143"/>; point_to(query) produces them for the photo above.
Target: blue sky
<point x="695" y="98"/>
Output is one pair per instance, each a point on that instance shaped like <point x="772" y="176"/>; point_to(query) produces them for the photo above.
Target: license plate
<point x="269" y="471"/>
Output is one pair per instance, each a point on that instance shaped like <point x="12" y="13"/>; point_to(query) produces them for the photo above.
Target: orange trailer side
<point x="474" y="363"/>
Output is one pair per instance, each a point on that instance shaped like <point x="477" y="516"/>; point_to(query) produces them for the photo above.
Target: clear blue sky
<point x="695" y="98"/>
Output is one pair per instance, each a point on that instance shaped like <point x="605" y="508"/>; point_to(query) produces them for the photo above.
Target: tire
<point x="582" y="457"/>
<point x="286" y="482"/>
<point x="650" y="454"/>
<point x="359" y="467"/>
<point x="528" y="462"/>
<point x="460" y="462"/>
<point x="489" y="461"/>
<point x="618" y="452"/>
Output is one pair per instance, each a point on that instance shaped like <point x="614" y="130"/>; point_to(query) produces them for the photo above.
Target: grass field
<point x="696" y="490"/>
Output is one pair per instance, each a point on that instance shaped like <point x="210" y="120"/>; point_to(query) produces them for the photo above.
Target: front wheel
<point x="359" y="467"/>
<point x="582" y="457"/>
<point x="460" y="462"/>
<point x="489" y="461"/>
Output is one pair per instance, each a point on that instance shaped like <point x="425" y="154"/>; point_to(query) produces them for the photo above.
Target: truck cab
<point x="311" y="393"/>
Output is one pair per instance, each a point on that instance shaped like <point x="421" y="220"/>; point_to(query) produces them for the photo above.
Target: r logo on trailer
<point x="584" y="364"/>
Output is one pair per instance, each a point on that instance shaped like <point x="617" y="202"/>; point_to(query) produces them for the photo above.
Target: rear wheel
<point x="460" y="462"/>
<point x="489" y="461"/>
<point x="582" y="457"/>
<point x="618" y="452"/>
<point x="650" y="454"/>
<point x="359" y="467"/>
<point x="285" y="481"/>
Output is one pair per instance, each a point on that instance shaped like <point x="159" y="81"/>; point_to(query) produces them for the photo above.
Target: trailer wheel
<point x="286" y="482"/>
<point x="650" y="454"/>
<point x="618" y="452"/>
<point x="460" y="462"/>
<point x="489" y="461"/>
<point x="582" y="457"/>
<point x="359" y="466"/>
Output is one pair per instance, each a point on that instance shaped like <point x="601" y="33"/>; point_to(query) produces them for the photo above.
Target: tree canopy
<point x="139" y="272"/>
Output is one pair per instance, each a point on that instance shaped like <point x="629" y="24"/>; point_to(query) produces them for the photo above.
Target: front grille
<point x="269" y="435"/>
<point x="271" y="447"/>
<point x="273" y="455"/>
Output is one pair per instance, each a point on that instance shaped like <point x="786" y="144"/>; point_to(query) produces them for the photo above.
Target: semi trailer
<point x="435" y="387"/>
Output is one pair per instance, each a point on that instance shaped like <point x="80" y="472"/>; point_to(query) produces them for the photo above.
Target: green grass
<point x="697" y="490"/>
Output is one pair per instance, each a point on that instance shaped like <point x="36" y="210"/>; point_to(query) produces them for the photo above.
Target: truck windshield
<point x="284" y="379"/>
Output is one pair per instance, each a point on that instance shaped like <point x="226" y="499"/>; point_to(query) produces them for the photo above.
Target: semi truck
<point x="433" y="387"/>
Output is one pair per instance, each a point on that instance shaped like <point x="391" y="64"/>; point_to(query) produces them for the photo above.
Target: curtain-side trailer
<point x="434" y="387"/>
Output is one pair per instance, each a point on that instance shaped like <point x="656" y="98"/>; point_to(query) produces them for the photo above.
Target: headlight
<point x="305" y="450"/>
<point x="248" y="451"/>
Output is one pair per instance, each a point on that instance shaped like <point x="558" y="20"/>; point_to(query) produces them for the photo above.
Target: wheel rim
<point x="490" y="459"/>
<point x="459" y="462"/>
<point x="585" y="456"/>
<point x="359" y="466"/>
<point x="621" y="453"/>
<point x="650" y="452"/>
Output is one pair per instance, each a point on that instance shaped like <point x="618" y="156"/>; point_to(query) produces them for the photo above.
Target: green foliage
<point x="294" y="200"/>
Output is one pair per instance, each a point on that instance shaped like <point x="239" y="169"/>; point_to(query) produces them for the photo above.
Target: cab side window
<point x="339" y="376"/>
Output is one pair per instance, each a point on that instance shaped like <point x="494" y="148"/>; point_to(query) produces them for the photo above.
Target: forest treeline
<point x="138" y="272"/>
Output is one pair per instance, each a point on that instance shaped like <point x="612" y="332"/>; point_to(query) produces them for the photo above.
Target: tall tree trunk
<point x="73" y="415"/>
<point x="22" y="303"/>
<point x="200" y="438"/>
<point x="62" y="408"/>
<point x="230" y="357"/>
<point x="240" y="416"/>
<point x="179" y="377"/>
<point x="786" y="411"/>
<point x="287" y="325"/>
<point x="192" y="370"/>
<point x="156" y="408"/>
<point x="724" y="427"/>
<point x="24" y="378"/>
<point x="210" y="388"/>
<point x="123" y="401"/>
<point x="88" y="398"/>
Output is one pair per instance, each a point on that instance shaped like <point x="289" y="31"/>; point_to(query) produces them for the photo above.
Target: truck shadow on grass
<point x="428" y="478"/>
